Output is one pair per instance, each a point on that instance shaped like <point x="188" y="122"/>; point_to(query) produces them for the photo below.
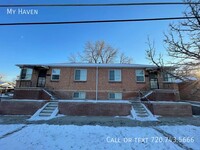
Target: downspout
<point x="97" y="82"/>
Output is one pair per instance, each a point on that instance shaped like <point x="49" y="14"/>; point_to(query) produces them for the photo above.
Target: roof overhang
<point x="32" y="66"/>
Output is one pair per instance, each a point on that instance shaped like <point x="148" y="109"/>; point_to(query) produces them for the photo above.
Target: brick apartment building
<point x="91" y="81"/>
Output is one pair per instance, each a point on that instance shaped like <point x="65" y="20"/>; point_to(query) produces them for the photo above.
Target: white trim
<point x="55" y="74"/>
<point x="80" y="93"/>
<point x="82" y="78"/>
<point x="115" y="71"/>
<point x="115" y="93"/>
<point x="140" y="76"/>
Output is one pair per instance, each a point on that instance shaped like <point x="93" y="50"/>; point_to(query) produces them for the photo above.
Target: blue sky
<point x="54" y="43"/>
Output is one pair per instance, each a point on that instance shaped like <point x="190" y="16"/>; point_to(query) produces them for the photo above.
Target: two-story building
<point x="91" y="81"/>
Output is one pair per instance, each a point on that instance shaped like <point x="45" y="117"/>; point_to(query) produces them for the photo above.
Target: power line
<point x="95" y="21"/>
<point x="108" y="4"/>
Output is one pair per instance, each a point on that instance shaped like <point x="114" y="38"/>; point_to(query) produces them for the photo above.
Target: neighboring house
<point x="6" y="87"/>
<point x="92" y="81"/>
<point x="190" y="90"/>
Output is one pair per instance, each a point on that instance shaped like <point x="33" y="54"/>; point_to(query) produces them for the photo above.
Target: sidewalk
<point x="103" y="121"/>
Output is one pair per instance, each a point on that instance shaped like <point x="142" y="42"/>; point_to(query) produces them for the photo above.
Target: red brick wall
<point x="164" y="95"/>
<point x="94" y="109"/>
<point x="30" y="93"/>
<point x="190" y="90"/>
<point x="170" y="109"/>
<point x="66" y="85"/>
<point x="16" y="107"/>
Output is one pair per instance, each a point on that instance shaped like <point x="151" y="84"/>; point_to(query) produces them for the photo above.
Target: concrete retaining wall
<point x="94" y="109"/>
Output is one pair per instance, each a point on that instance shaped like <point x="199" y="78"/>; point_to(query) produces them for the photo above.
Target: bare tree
<point x="151" y="54"/>
<point x="182" y="43"/>
<point x="73" y="58"/>
<point x="125" y="59"/>
<point x="183" y="40"/>
<point x="99" y="52"/>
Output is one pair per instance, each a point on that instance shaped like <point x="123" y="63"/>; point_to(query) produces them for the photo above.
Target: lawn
<point x="64" y="137"/>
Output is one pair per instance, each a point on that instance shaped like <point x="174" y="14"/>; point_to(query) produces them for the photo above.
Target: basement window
<point x="79" y="95"/>
<point x="115" y="75"/>
<point x="26" y="74"/>
<point x="80" y="75"/>
<point x="55" y="76"/>
<point x="115" y="95"/>
<point x="140" y="75"/>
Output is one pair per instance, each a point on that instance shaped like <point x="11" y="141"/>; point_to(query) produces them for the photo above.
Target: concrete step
<point x="45" y="114"/>
<point x="47" y="111"/>
<point x="142" y="115"/>
<point x="51" y="106"/>
<point x="53" y="103"/>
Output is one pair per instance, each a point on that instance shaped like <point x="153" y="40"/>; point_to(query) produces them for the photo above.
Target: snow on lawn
<point x="5" y="129"/>
<point x="188" y="135"/>
<point x="65" y="137"/>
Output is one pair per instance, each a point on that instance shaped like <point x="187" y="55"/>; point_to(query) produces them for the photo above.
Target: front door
<point x="153" y="79"/>
<point x="41" y="78"/>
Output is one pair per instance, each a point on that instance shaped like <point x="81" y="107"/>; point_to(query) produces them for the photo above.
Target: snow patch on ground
<point x="4" y="129"/>
<point x="186" y="134"/>
<point x="52" y="137"/>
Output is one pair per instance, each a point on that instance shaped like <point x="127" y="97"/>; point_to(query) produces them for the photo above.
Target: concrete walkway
<point x="103" y="121"/>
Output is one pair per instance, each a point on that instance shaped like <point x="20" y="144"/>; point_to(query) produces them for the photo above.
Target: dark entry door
<point x="42" y="78"/>
<point x="153" y="79"/>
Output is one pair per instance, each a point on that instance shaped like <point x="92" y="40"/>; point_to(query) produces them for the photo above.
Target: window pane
<point x="140" y="75"/>
<point x="56" y="71"/>
<point x="112" y="96"/>
<point x="139" y="72"/>
<point x="82" y="95"/>
<point x="76" y="95"/>
<point x="55" y="77"/>
<point x="117" y="75"/>
<point x="77" y="75"/>
<point x="55" y="74"/>
<point x="23" y="74"/>
<point x="83" y="75"/>
<point x="112" y="75"/>
<point x="26" y="74"/>
<point x="140" y="78"/>
<point x="118" y="95"/>
<point x="79" y="95"/>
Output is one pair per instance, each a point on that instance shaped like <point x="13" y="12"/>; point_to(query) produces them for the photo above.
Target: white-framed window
<point x="115" y="75"/>
<point x="26" y="74"/>
<point x="168" y="77"/>
<point x="80" y="75"/>
<point x="115" y="95"/>
<point x="140" y="76"/>
<point x="79" y="95"/>
<point x="55" y="75"/>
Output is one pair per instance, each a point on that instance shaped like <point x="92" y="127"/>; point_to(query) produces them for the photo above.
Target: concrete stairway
<point x="49" y="109"/>
<point x="139" y="109"/>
